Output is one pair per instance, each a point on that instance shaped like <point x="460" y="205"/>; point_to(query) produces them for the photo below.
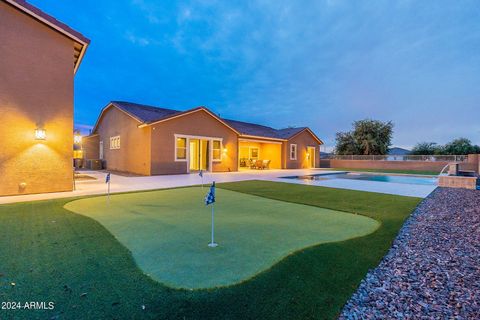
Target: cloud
<point x="137" y="40"/>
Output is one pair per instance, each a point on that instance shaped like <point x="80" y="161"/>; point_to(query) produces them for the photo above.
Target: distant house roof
<point x="396" y="151"/>
<point x="81" y="42"/>
<point x="147" y="115"/>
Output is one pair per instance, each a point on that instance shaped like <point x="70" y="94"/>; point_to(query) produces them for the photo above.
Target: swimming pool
<point x="403" y="179"/>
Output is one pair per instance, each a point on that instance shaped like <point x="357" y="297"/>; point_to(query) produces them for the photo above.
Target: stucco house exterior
<point x="38" y="59"/>
<point x="149" y="140"/>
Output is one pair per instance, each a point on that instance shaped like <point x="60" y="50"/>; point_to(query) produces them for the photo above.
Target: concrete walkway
<point x="125" y="184"/>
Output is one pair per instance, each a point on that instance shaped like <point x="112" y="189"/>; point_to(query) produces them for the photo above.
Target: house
<point x="148" y="140"/>
<point x="39" y="57"/>
<point x="397" y="151"/>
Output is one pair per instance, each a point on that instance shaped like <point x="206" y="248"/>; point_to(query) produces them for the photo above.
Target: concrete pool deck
<point x="120" y="183"/>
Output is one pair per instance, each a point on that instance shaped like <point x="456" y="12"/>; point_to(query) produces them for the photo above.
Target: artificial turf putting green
<point x="52" y="254"/>
<point x="167" y="232"/>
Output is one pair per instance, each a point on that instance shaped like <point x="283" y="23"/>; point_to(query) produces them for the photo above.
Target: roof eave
<point x="310" y="131"/>
<point x="261" y="137"/>
<point x="187" y="112"/>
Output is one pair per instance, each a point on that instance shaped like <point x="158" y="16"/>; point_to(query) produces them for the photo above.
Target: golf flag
<point x="210" y="197"/>
<point x="107" y="181"/>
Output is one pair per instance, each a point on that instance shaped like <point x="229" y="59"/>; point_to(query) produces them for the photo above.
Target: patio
<point x="122" y="183"/>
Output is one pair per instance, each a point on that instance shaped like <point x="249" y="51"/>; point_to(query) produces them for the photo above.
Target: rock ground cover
<point x="432" y="271"/>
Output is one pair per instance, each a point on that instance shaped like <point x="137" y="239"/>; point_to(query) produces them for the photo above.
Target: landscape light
<point x="40" y="134"/>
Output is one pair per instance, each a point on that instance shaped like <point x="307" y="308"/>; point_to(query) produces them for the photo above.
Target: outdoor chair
<point x="259" y="164"/>
<point x="266" y="164"/>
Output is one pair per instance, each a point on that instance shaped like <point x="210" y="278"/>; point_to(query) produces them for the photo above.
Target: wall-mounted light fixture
<point x="77" y="138"/>
<point x="40" y="134"/>
<point x="225" y="150"/>
<point x="308" y="155"/>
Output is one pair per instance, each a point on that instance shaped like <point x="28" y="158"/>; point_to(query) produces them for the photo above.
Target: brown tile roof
<point x="144" y="113"/>
<point x="149" y="114"/>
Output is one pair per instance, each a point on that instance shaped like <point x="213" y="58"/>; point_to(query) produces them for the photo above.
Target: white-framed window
<point x="216" y="150"/>
<point x="180" y="149"/>
<point x="293" y="152"/>
<point x="254" y="153"/>
<point x="114" y="142"/>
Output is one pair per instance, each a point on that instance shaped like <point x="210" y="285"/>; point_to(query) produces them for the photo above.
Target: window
<point x="115" y="142"/>
<point x="293" y="152"/>
<point x="181" y="149"/>
<point x="254" y="153"/>
<point x="216" y="150"/>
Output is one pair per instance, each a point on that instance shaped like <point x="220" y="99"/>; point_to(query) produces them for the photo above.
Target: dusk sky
<point x="321" y="64"/>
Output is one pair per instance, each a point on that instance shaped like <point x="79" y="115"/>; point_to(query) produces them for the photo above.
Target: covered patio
<point x="259" y="154"/>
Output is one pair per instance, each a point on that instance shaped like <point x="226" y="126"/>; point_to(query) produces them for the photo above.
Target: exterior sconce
<point x="308" y="155"/>
<point x="77" y="138"/>
<point x="40" y="134"/>
<point x="225" y="150"/>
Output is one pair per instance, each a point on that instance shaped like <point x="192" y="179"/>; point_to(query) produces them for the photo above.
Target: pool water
<point x="371" y="177"/>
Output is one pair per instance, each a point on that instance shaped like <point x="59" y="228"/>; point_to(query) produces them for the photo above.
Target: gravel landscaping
<point x="432" y="270"/>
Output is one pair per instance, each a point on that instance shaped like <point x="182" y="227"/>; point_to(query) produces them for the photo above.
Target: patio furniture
<point x="259" y="164"/>
<point x="244" y="162"/>
<point x="252" y="164"/>
<point x="266" y="164"/>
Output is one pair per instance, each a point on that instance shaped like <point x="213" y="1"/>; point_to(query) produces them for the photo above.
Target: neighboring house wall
<point x="199" y="123"/>
<point x="302" y="140"/>
<point x="134" y="153"/>
<point x="36" y="90"/>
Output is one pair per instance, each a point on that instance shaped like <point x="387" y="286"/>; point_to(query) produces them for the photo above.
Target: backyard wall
<point x="36" y="90"/>
<point x="436" y="166"/>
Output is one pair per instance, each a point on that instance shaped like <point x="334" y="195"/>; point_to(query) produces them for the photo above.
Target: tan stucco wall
<point x="36" y="89"/>
<point x="302" y="140"/>
<point x="90" y="146"/>
<point x="134" y="153"/>
<point x="199" y="123"/>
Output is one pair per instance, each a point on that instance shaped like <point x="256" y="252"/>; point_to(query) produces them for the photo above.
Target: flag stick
<point x="108" y="192"/>
<point x="212" y="243"/>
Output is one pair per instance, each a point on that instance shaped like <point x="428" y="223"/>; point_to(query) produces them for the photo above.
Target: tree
<point x="458" y="146"/>
<point x="368" y="137"/>
<point x="461" y="146"/>
<point x="426" y="148"/>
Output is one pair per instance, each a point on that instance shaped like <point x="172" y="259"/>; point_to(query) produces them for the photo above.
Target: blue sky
<point x="321" y="64"/>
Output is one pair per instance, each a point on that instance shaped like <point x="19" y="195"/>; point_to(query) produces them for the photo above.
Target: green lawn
<point x="167" y="232"/>
<point x="429" y="173"/>
<point x="54" y="255"/>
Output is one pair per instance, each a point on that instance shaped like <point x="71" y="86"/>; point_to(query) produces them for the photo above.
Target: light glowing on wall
<point x="40" y="134"/>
